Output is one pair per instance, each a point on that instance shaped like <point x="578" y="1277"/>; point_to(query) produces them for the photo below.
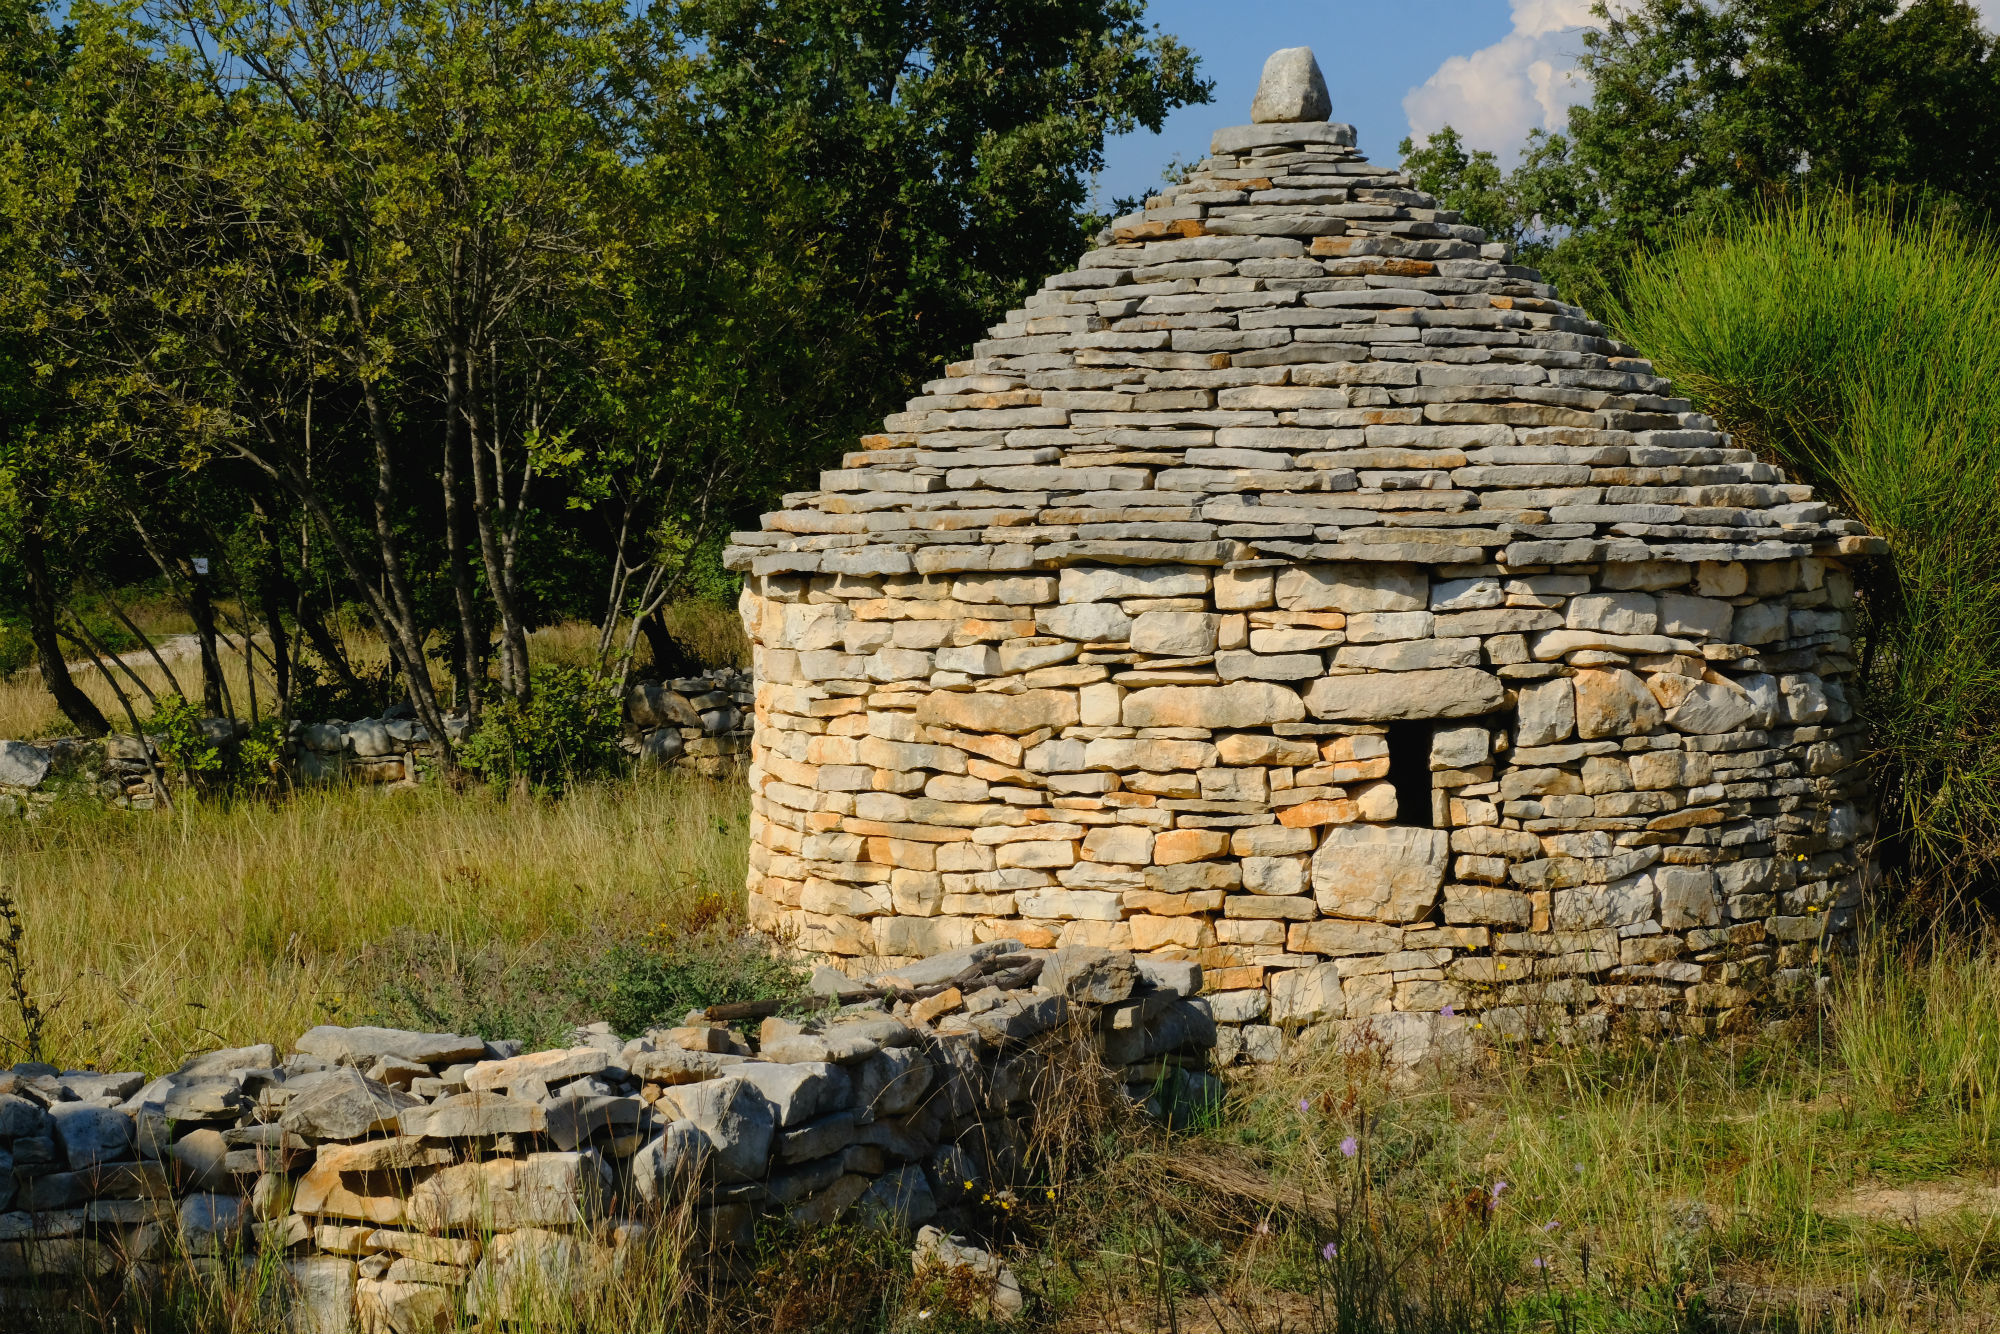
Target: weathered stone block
<point x="1013" y="715"/>
<point x="1238" y="704"/>
<point x="1459" y="692"/>
<point x="1390" y="874"/>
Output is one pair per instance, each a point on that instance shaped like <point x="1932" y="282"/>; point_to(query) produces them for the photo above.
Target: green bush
<point x="658" y="979"/>
<point x="1863" y="353"/>
<point x="567" y="731"/>
<point x="17" y="651"/>
<point x="253" y="762"/>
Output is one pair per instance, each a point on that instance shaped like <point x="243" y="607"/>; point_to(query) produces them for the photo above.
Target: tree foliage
<point x="1700" y="108"/>
<point x="468" y="315"/>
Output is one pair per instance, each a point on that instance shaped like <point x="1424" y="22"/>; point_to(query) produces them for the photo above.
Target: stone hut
<point x="1300" y="587"/>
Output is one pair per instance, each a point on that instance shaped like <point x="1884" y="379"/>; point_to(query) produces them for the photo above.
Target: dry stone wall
<point x="403" y="1179"/>
<point x="698" y="723"/>
<point x="1301" y="588"/>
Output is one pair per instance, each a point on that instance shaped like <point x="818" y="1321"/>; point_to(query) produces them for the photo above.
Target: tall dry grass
<point x="28" y="711"/>
<point x="1863" y="352"/>
<point x="157" y="935"/>
<point x="1837" y="1172"/>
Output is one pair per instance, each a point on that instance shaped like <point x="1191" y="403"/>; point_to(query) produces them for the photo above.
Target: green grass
<point x="156" y="935"/>
<point x="1864" y="355"/>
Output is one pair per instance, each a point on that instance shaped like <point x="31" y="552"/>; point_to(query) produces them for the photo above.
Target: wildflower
<point x="1493" y="1196"/>
<point x="1552" y="1225"/>
<point x="1539" y="1263"/>
<point x="1328" y="1251"/>
<point x="1305" y="1104"/>
<point x="1348" y="1147"/>
<point x="968" y="1185"/>
<point x="1263" y="1228"/>
<point x="1447" y="1012"/>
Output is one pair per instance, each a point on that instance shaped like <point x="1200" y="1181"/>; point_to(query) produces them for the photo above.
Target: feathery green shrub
<point x="1862" y="352"/>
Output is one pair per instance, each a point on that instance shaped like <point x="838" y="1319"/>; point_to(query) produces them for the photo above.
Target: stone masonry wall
<point x="401" y="1179"/>
<point x="1637" y="798"/>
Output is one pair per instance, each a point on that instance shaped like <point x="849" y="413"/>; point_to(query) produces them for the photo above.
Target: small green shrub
<point x="191" y="757"/>
<point x="566" y="732"/>
<point x="251" y="763"/>
<point x="656" y="980"/>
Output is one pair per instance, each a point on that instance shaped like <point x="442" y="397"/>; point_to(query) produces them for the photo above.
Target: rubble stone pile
<point x="403" y="1178"/>
<point x="1299" y="587"/>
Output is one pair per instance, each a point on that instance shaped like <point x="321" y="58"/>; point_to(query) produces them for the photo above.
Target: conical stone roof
<point x="1294" y="354"/>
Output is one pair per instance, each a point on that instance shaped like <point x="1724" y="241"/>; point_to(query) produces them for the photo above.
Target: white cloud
<point x="1526" y="80"/>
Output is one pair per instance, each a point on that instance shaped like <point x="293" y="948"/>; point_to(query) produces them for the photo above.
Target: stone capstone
<point x="1291" y="89"/>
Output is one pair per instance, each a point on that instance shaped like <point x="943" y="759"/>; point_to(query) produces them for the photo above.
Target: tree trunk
<point x="202" y="607"/>
<point x="394" y="607"/>
<point x="471" y="634"/>
<point x="670" y="656"/>
<point x="486" y="481"/>
<point x="271" y="601"/>
<point x="79" y="708"/>
<point x="307" y="612"/>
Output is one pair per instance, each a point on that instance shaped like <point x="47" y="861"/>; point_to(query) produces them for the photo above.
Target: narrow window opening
<point x="1410" y="772"/>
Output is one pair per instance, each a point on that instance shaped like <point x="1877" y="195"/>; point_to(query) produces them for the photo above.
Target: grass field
<point x="157" y="935"/>
<point x="1843" y="1168"/>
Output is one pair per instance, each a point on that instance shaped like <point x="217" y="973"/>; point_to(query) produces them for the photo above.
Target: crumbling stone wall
<point x="399" y="1180"/>
<point x="1300" y="587"/>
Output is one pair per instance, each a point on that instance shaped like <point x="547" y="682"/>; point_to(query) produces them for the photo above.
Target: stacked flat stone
<point x="695" y="722"/>
<point x="1104" y="638"/>
<point x="401" y="1180"/>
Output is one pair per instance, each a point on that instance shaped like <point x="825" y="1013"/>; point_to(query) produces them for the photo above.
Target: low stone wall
<point x="405" y="1177"/>
<point x="701" y="723"/>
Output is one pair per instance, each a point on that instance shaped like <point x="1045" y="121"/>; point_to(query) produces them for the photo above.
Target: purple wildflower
<point x="1539" y="1263"/>
<point x="1447" y="1012"/>
<point x="1305" y="1104"/>
<point x="1348" y="1147"/>
<point x="1328" y="1251"/>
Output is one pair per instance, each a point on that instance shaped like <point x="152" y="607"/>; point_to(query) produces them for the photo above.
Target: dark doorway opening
<point x="1410" y="772"/>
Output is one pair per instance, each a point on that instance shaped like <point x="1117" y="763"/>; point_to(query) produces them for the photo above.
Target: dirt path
<point x="172" y="649"/>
